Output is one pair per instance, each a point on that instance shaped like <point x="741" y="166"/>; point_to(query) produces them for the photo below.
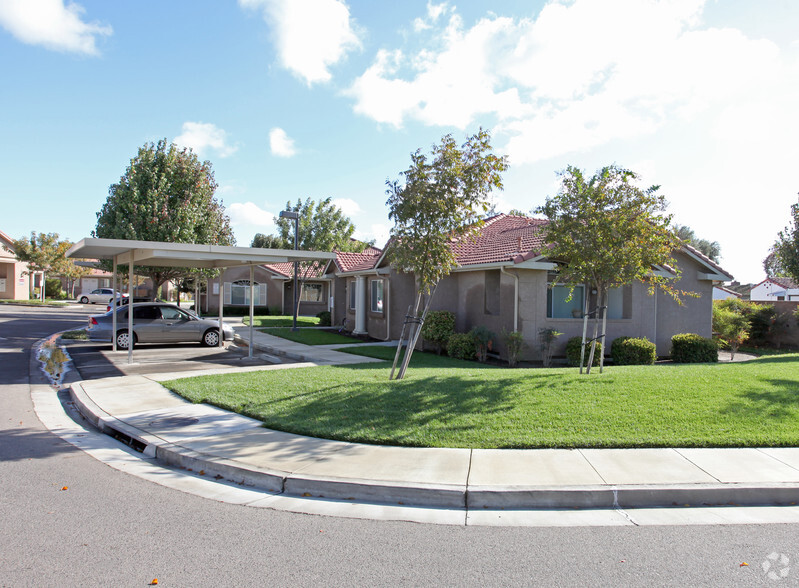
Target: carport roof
<point x="155" y="253"/>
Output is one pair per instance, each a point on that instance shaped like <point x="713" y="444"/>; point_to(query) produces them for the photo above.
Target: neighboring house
<point x="774" y="289"/>
<point x="723" y="293"/>
<point x="14" y="279"/>
<point x="505" y="282"/>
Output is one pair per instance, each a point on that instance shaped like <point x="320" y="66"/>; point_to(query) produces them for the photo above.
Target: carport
<point x="190" y="255"/>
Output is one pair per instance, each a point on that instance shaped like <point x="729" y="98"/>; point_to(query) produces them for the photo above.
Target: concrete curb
<point x="451" y="496"/>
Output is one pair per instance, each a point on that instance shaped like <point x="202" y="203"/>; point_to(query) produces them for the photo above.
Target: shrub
<point x="514" y="343"/>
<point x="633" y="351"/>
<point x="483" y="341"/>
<point x="461" y="346"/>
<point x="324" y="318"/>
<point x="730" y="328"/>
<point x="573" y="351"/>
<point x="438" y="326"/>
<point x="52" y="289"/>
<point x="692" y="348"/>
<point x="761" y="317"/>
<point x="546" y="337"/>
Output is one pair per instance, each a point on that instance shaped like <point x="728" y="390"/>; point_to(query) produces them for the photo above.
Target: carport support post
<point x="252" y="305"/>
<point x="114" y="307"/>
<point x="130" y="310"/>
<point x="221" y="299"/>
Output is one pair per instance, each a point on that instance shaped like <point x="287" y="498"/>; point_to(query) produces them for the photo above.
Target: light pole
<point x="290" y="214"/>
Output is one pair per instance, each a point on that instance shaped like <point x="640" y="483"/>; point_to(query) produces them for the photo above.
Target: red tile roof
<point x="353" y="262"/>
<point x="502" y="238"/>
<point x="786" y="283"/>
<point x="286" y="269"/>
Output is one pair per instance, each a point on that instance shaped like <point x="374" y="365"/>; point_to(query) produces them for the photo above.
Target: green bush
<point x="52" y="289"/>
<point x="514" y="344"/>
<point x="692" y="348"/>
<point x="324" y="318"/>
<point x="461" y="346"/>
<point x="761" y="317"/>
<point x="483" y="341"/>
<point x="244" y="311"/>
<point x="438" y="327"/>
<point x="573" y="351"/>
<point x="633" y="351"/>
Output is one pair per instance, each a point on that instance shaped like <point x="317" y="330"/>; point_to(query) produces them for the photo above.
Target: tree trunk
<point x="585" y="330"/>
<point x="416" y="331"/>
<point x="593" y="340"/>
<point x="604" y="307"/>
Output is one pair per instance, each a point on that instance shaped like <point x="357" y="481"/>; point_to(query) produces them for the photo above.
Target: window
<point x="491" y="292"/>
<point x="558" y="305"/>
<point x="311" y="293"/>
<point x="620" y="302"/>
<point x="353" y="290"/>
<point x="146" y="313"/>
<point x="377" y="295"/>
<point x="240" y="293"/>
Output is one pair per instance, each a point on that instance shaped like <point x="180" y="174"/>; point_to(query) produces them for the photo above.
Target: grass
<point x="464" y="404"/>
<point x="47" y="302"/>
<point x="78" y="334"/>
<point x="282" y="321"/>
<point x="311" y="336"/>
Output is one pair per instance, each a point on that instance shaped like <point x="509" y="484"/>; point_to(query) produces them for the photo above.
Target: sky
<point x="294" y="99"/>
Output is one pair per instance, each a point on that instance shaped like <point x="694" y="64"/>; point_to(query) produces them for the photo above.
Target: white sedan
<point x="98" y="295"/>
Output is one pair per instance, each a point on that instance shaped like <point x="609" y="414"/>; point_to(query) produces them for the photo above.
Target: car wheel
<point x="211" y="338"/>
<point x="84" y="300"/>
<point x="123" y="340"/>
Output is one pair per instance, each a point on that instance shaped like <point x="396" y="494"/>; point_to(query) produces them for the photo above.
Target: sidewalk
<point x="139" y="411"/>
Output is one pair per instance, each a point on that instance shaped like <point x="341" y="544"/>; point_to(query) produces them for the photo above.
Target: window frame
<point x="373" y="284"/>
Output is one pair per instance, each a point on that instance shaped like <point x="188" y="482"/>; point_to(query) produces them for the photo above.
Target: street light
<point x="290" y="214"/>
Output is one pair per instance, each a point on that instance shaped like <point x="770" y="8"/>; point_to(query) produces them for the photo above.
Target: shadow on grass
<point x="776" y="399"/>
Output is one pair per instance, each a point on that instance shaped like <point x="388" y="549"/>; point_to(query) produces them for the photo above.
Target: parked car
<point x="99" y="295"/>
<point x="126" y="300"/>
<point x="156" y="322"/>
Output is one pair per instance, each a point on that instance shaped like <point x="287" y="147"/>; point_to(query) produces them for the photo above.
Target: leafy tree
<point x="269" y="242"/>
<point x="166" y="194"/>
<point x="730" y="327"/>
<point x="517" y="212"/>
<point x="441" y="198"/>
<point x="606" y="232"/>
<point x="786" y="248"/>
<point x="73" y="272"/>
<point x="772" y="265"/>
<point x="323" y="227"/>
<point x="43" y="252"/>
<point x="710" y="249"/>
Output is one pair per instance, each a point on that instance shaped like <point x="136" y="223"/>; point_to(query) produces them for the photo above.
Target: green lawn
<point x="449" y="403"/>
<point x="282" y="321"/>
<point x="311" y="336"/>
<point x="47" y="302"/>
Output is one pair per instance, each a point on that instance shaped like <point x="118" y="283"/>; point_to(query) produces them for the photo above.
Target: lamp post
<point x="290" y="214"/>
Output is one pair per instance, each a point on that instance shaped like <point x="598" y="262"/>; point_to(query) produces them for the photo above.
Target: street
<point x="70" y="520"/>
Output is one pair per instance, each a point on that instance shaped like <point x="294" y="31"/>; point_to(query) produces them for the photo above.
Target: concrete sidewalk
<point x="140" y="412"/>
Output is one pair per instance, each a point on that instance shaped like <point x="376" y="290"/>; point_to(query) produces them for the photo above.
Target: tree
<point x="710" y="249"/>
<point x="606" y="232"/>
<point x="323" y="227"/>
<point x="440" y="199"/>
<point x="43" y="252"/>
<point x="730" y="327"/>
<point x="772" y="265"/>
<point x="166" y="194"/>
<point x="269" y="242"/>
<point x="786" y="248"/>
<point x="73" y="272"/>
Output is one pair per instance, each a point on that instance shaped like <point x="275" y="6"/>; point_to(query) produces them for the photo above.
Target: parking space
<point x="97" y="360"/>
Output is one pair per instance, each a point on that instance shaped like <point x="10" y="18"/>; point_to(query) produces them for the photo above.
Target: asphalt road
<point x="109" y="528"/>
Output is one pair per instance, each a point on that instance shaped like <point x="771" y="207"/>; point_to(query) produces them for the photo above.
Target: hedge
<point x="573" y="351"/>
<point x="693" y="348"/>
<point x="633" y="351"/>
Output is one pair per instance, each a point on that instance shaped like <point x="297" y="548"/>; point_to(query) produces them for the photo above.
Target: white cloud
<point x="347" y="205"/>
<point x="203" y="137"/>
<point x="310" y="35"/>
<point x="281" y="144"/>
<point x="52" y="24"/>
<point x="579" y="75"/>
<point x="247" y="219"/>
<point x="434" y="12"/>
<point x="377" y="231"/>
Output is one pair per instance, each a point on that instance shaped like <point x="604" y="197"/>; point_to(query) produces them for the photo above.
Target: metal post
<point x="295" y="216"/>
<point x="252" y="306"/>
<point x="221" y="300"/>
<point x="130" y="310"/>
<point x="114" y="307"/>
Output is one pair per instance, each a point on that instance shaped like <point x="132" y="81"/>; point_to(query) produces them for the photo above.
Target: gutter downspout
<point x="515" y="296"/>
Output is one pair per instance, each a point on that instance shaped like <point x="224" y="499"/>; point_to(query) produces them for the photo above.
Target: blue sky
<point x="315" y="98"/>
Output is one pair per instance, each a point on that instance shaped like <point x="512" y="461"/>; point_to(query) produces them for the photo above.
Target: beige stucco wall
<point x="16" y="282"/>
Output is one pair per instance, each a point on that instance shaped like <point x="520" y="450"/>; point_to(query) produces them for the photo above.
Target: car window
<point x="147" y="313"/>
<point x="171" y="314"/>
<point x="96" y="291"/>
